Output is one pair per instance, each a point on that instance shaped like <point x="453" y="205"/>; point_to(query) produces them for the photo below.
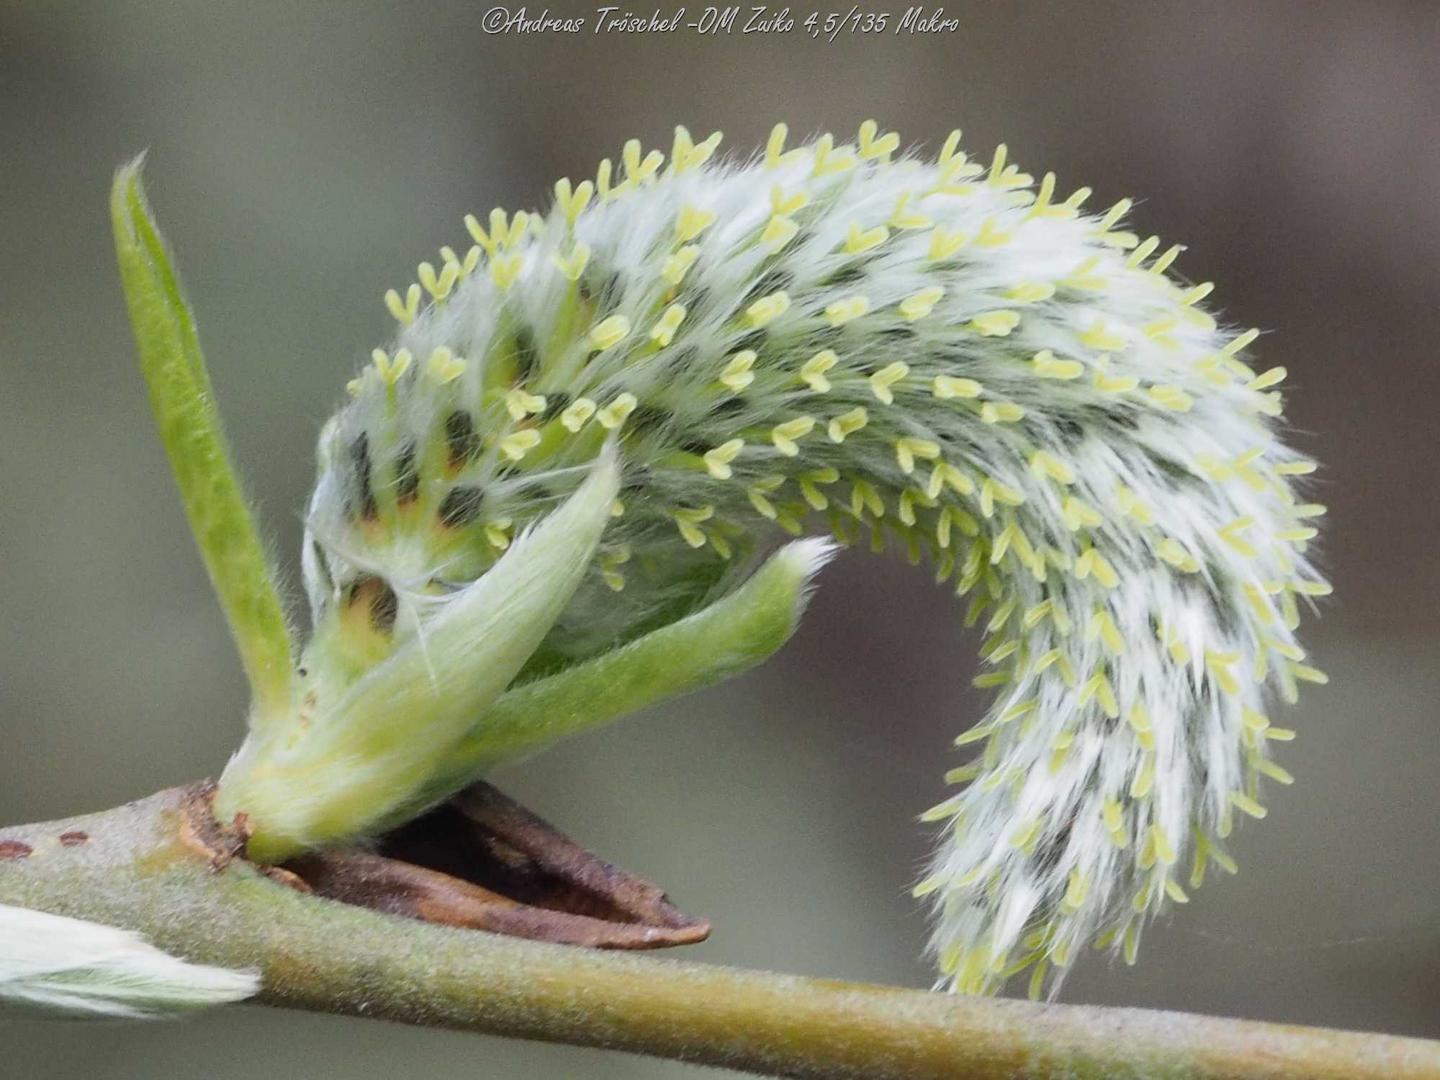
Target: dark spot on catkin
<point x="363" y="497"/>
<point x="556" y="402"/>
<point x="461" y="438"/>
<point x="527" y="356"/>
<point x="382" y="604"/>
<point x="407" y="476"/>
<point x="74" y="838"/>
<point x="14" y="849"/>
<point x="461" y="506"/>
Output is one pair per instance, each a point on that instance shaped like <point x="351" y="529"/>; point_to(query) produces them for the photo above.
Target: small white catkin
<point x="54" y="966"/>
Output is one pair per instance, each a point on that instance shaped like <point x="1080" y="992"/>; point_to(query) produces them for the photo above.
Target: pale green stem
<point x="189" y="426"/>
<point x="144" y="868"/>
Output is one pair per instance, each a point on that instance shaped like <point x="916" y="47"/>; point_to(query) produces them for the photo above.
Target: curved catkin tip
<point x="55" y="966"/>
<point x="943" y="354"/>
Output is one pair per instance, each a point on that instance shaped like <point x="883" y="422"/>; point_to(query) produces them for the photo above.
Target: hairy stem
<point x="160" y="866"/>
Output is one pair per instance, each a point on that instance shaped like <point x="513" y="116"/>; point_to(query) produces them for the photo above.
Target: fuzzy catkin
<point x="843" y="338"/>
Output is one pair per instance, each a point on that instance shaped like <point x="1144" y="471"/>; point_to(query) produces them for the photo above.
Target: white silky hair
<point x="56" y="966"/>
<point x="841" y="337"/>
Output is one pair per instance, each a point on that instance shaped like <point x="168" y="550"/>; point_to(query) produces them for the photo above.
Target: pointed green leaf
<point x="189" y="428"/>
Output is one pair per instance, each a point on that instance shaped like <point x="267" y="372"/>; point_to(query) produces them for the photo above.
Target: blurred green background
<point x="304" y="157"/>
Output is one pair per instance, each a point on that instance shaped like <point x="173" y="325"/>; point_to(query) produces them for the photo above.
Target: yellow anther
<point x="783" y="205"/>
<point x="717" y="461"/>
<point x="1171" y="397"/>
<point x="908" y="449"/>
<point x="847" y="424"/>
<point x="1080" y="514"/>
<point x="1158" y="331"/>
<point x="1160" y="265"/>
<point x="1001" y="412"/>
<point x="1103" y="627"/>
<point x="392" y="368"/>
<point x="692" y="222"/>
<point x="1198" y="293"/>
<point x="663" y="332"/>
<point x="767" y="309"/>
<point x="572" y="265"/>
<point x="679" y="264"/>
<point x="577" y="414"/>
<point x="1246" y="805"/>
<point x="840" y="312"/>
<point x="615" y="414"/>
<point x="814" y="369"/>
<point x="761" y="502"/>
<point x="1101" y="338"/>
<point x="871" y="147"/>
<point x="1267" y="379"/>
<point x="944" y="243"/>
<point x="1240" y="342"/>
<point x="1112" y="384"/>
<point x="1048" y="367"/>
<point x="1098" y="687"/>
<point x="1076" y="889"/>
<point x="638" y="169"/>
<point x="471" y="260"/>
<point x="686" y="154"/>
<point x="883" y="380"/>
<point x="1025" y="835"/>
<point x="1295" y="468"/>
<point x="775" y="153"/>
<point x="1266" y="767"/>
<point x="920" y="304"/>
<point x="1142" y="252"/>
<point x="863" y="495"/>
<point x="438" y="285"/>
<point x="1172" y="552"/>
<point x="519" y="403"/>
<point x="497" y="533"/>
<point x="1084" y="276"/>
<point x="444" y="366"/>
<point x="1231" y="535"/>
<point x="778" y="232"/>
<point x="505" y="269"/>
<point x="828" y="160"/>
<point x="858" y="241"/>
<point x="903" y="218"/>
<point x="1030" y="292"/>
<point x="992" y="491"/>
<point x="405" y="310"/>
<point x="946" y="475"/>
<point x="609" y="332"/>
<point x="784" y="435"/>
<point x="1043" y="463"/>
<point x="517" y="444"/>
<point x="995" y="323"/>
<point x="1092" y="563"/>
<point x="738" y="374"/>
<point x="949" y="386"/>
<point x="572" y="201"/>
<point x="991" y="235"/>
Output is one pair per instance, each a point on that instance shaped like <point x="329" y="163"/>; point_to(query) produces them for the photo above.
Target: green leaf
<point x="189" y="427"/>
<point x="715" y="643"/>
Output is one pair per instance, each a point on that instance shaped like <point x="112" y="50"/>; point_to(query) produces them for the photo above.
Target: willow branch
<point x="160" y="866"/>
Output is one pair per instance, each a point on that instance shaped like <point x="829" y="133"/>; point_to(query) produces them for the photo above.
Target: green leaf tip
<point x="189" y="426"/>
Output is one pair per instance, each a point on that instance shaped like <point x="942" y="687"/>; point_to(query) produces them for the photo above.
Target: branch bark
<point x="162" y="867"/>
